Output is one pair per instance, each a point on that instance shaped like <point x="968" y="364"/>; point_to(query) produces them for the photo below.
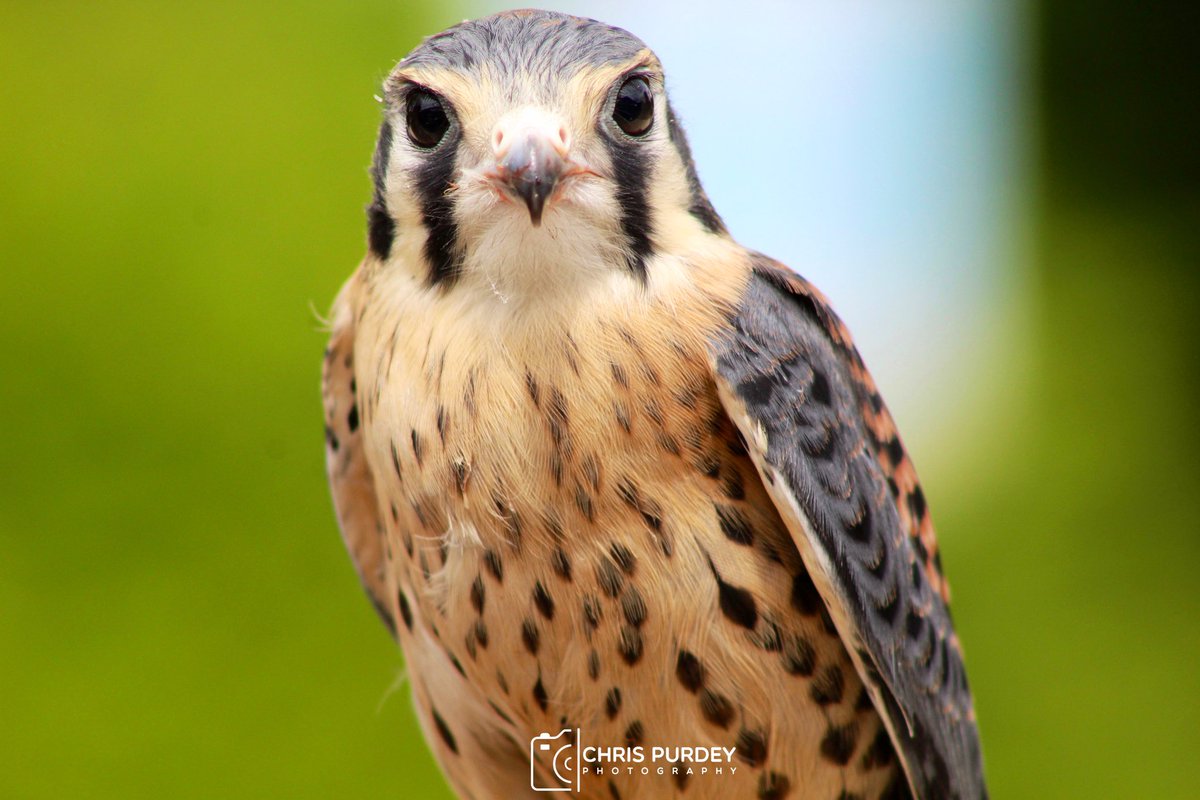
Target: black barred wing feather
<point x="829" y="455"/>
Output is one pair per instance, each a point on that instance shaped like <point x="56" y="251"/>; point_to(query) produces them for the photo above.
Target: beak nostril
<point x="562" y="138"/>
<point x="498" y="140"/>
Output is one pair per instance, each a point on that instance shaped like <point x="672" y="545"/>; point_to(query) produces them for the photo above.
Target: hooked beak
<point x="531" y="159"/>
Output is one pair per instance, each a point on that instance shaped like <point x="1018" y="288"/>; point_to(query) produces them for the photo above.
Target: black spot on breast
<point x="593" y="665"/>
<point x="331" y="439"/>
<point x="668" y="443"/>
<point x="444" y="731"/>
<point x="773" y="786"/>
<point x="690" y="671"/>
<point x="828" y="686"/>
<point x="619" y="375"/>
<point x="622" y="414"/>
<point x="477" y="594"/>
<point x="880" y="752"/>
<point x="500" y="712"/>
<point x="471" y="644"/>
<point x="612" y="702"/>
<point x="736" y="603"/>
<point x="396" y="461"/>
<point x="405" y="609"/>
<point x="352" y="418"/>
<point x="634" y="734"/>
<point x="734" y="524"/>
<point x="539" y="694"/>
<point x="543" y="601"/>
<point x="633" y="607"/>
<point x="530" y="636"/>
<point x="630" y="644"/>
<point x="732" y="486"/>
<point x="556" y="468"/>
<point x="531" y="385"/>
<point x="481" y="633"/>
<point x="461" y="471"/>
<point x="751" y="746"/>
<point x="716" y="708"/>
<point x="561" y="564"/>
<point x="591" y="613"/>
<point x="591" y="471"/>
<point x="611" y="580"/>
<point x="708" y="464"/>
<point x="624" y="557"/>
<point x="557" y="419"/>
<point x="416" y="446"/>
<point x="583" y="502"/>
<point x="799" y="657"/>
<point x="443" y="423"/>
<point x="491" y="560"/>
<point x="613" y="791"/>
<point x="837" y="744"/>
<point x="768" y="637"/>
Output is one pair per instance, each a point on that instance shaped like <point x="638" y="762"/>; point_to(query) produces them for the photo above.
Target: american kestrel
<point x="603" y="470"/>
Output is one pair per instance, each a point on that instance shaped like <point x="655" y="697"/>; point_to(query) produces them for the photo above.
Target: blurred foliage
<point x="183" y="191"/>
<point x="1077" y="542"/>
<point x="183" y="185"/>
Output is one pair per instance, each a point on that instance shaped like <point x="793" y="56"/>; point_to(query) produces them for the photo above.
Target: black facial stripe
<point x="631" y="168"/>
<point x="381" y="228"/>
<point x="434" y="178"/>
<point x="700" y="207"/>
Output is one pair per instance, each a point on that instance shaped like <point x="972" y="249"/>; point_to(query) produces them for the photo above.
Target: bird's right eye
<point x="427" y="120"/>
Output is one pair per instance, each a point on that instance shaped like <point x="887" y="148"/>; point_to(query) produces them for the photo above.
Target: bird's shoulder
<point x="825" y="444"/>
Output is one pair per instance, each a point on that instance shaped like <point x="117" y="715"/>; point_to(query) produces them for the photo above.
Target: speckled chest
<point x="575" y="537"/>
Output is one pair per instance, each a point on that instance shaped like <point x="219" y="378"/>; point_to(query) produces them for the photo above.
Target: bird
<point x="607" y="474"/>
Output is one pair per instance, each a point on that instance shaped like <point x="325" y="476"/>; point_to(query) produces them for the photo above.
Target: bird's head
<point x="529" y="151"/>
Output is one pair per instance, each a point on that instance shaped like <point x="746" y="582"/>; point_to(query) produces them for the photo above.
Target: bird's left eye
<point x="427" y="120"/>
<point x="634" y="109"/>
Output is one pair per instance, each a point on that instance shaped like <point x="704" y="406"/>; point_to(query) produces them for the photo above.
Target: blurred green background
<point x="182" y="186"/>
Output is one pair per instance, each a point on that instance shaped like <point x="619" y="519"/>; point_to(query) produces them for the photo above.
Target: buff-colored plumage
<point x="551" y="493"/>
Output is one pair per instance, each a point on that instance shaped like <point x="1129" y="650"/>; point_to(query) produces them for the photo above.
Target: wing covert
<point x="827" y="450"/>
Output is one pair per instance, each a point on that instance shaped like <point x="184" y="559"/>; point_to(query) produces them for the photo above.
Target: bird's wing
<point x="350" y="478"/>
<point x="830" y="457"/>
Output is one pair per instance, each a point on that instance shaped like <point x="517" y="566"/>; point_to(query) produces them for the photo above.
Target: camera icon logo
<point x="559" y="756"/>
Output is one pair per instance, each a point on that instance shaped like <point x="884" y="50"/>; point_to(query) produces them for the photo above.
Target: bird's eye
<point x="634" y="109"/>
<point x="427" y="120"/>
